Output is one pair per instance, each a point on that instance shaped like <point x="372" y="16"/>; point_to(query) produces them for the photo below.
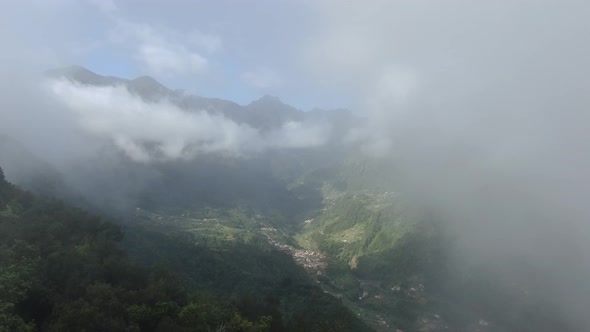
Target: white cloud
<point x="148" y="131"/>
<point x="164" y="52"/>
<point x="207" y="42"/>
<point x="298" y="135"/>
<point x="161" y="50"/>
<point x="163" y="60"/>
<point x="108" y="7"/>
<point x="480" y="105"/>
<point x="262" y="78"/>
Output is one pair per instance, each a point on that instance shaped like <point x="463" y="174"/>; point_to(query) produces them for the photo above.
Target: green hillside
<point x="394" y="264"/>
<point x="62" y="269"/>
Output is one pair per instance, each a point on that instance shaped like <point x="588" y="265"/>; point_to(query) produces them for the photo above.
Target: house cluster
<point x="412" y="291"/>
<point x="312" y="260"/>
<point x="381" y="321"/>
<point x="430" y="324"/>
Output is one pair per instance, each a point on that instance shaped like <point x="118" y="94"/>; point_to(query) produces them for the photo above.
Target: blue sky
<point x="372" y="57"/>
<point x="228" y="49"/>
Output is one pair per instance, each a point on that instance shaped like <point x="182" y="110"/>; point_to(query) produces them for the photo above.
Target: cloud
<point x="149" y="131"/>
<point x="164" y="60"/>
<point x="160" y="49"/>
<point x="298" y="135"/>
<point x="165" y="52"/>
<point x="262" y="78"/>
<point x="207" y="42"/>
<point x="108" y="7"/>
<point x="480" y="105"/>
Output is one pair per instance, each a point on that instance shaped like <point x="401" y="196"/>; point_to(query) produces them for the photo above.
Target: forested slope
<point x="62" y="269"/>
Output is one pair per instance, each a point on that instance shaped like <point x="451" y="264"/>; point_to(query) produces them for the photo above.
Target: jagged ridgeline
<point x="62" y="269"/>
<point x="266" y="113"/>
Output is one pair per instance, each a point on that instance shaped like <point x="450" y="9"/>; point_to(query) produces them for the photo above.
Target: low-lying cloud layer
<point x="469" y="97"/>
<point x="160" y="130"/>
<point x="483" y="106"/>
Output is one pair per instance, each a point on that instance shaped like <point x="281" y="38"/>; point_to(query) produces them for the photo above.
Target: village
<point x="312" y="261"/>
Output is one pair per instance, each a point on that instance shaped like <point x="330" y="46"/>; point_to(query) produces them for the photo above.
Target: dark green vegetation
<point x="62" y="269"/>
<point x="224" y="253"/>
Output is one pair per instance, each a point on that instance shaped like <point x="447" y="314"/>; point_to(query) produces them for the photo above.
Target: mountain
<point x="270" y="112"/>
<point x="30" y="171"/>
<point x="84" y="76"/>
<point x="317" y="239"/>
<point x="63" y="269"/>
<point x="394" y="263"/>
<point x="266" y="113"/>
<point x="204" y="221"/>
<point x="148" y="88"/>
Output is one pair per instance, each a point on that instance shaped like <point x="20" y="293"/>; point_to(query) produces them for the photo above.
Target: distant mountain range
<point x="266" y="113"/>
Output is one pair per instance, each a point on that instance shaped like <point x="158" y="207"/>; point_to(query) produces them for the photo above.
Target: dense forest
<point x="63" y="269"/>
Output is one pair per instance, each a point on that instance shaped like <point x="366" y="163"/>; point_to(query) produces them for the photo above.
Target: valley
<point x="370" y="300"/>
<point x="285" y="237"/>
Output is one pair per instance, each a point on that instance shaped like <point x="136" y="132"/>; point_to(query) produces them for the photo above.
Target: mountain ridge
<point x="266" y="113"/>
